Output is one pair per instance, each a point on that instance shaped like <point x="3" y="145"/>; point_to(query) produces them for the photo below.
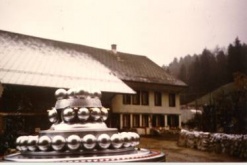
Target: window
<point x="173" y="120"/>
<point x="136" y="98"/>
<point x="158" y="121"/>
<point x="157" y="99"/>
<point x="172" y="100"/>
<point x="126" y="99"/>
<point x="126" y="120"/>
<point x="145" y="120"/>
<point x="144" y="98"/>
<point x="136" y="120"/>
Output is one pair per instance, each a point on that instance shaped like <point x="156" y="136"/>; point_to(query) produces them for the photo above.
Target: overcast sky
<point x="159" y="29"/>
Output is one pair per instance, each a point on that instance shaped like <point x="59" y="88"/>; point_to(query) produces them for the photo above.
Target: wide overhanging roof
<point x="37" y="62"/>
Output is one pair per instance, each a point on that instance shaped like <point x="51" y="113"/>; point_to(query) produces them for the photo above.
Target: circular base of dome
<point x="137" y="155"/>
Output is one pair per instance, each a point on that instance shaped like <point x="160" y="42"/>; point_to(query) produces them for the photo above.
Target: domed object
<point x="61" y="94"/>
<point x="23" y="143"/>
<point x="52" y="115"/>
<point x="137" y="139"/>
<point x="44" y="143"/>
<point x="116" y="141"/>
<point x="81" y="93"/>
<point x="18" y="144"/>
<point x="32" y="143"/>
<point x="104" y="113"/>
<point x="95" y="113"/>
<point x="132" y="138"/>
<point x="72" y="93"/>
<point x="83" y="114"/>
<point x="104" y="141"/>
<point x="97" y="93"/>
<point x="126" y="139"/>
<point x="89" y="142"/>
<point x="79" y="134"/>
<point x="58" y="142"/>
<point x="68" y="114"/>
<point x="73" y="142"/>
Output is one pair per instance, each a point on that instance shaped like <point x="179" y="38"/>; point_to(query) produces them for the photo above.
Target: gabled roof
<point x="129" y="67"/>
<point x="34" y="61"/>
<point x="26" y="60"/>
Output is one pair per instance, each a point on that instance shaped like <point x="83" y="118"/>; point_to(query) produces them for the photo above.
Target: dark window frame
<point x="145" y="120"/>
<point x="157" y="98"/>
<point x="126" y="120"/>
<point x="126" y="99"/>
<point x="144" y="98"/>
<point x="172" y="100"/>
<point x="136" y="98"/>
<point x="136" y="120"/>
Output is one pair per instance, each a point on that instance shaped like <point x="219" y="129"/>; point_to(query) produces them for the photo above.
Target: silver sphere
<point x="132" y="138"/>
<point x="104" y="141"/>
<point x="73" y="142"/>
<point x="95" y="113"/>
<point x="44" y="143"/>
<point x="60" y="94"/>
<point x="89" y="142"/>
<point x="104" y="114"/>
<point x="116" y="141"/>
<point x="52" y="115"/>
<point x="137" y="139"/>
<point x="83" y="114"/>
<point x="97" y="93"/>
<point x="72" y="93"/>
<point x="81" y="93"/>
<point x="32" y="143"/>
<point x="126" y="139"/>
<point x="68" y="114"/>
<point x="17" y="142"/>
<point x="23" y="143"/>
<point x="58" y="142"/>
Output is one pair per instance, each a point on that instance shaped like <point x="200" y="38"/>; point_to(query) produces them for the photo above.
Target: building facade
<point x="139" y="93"/>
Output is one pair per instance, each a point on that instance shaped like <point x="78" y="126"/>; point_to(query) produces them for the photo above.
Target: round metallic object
<point x="104" y="141"/>
<point x="58" y="142"/>
<point x="83" y="114"/>
<point x="52" y="115"/>
<point x="97" y="93"/>
<point x="71" y="93"/>
<point x="44" y="143"/>
<point x="89" y="142"/>
<point x="32" y="143"/>
<point x="17" y="142"/>
<point x="60" y="94"/>
<point x="126" y="139"/>
<point x="68" y="114"/>
<point x="95" y="113"/>
<point x="116" y="141"/>
<point x="23" y="143"/>
<point x="73" y="142"/>
<point x="104" y="114"/>
<point x="137" y="139"/>
<point x="132" y="138"/>
<point x="81" y="93"/>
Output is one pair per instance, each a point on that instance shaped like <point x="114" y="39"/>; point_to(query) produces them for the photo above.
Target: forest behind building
<point x="209" y="70"/>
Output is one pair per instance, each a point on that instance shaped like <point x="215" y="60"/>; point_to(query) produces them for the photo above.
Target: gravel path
<point x="175" y="153"/>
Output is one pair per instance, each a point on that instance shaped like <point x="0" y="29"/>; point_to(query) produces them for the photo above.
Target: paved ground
<point x="175" y="153"/>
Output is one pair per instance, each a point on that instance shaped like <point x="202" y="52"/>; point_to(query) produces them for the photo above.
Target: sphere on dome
<point x="61" y="94"/>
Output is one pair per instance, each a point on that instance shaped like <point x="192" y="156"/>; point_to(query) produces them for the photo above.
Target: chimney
<point x="114" y="48"/>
